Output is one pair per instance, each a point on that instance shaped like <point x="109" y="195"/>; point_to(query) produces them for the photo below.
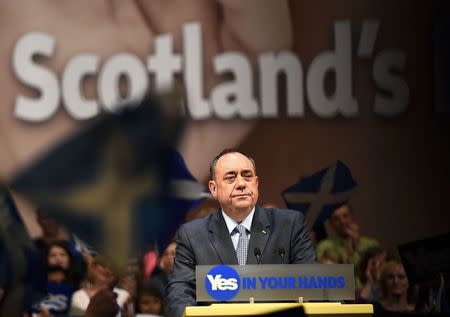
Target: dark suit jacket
<point x="207" y="241"/>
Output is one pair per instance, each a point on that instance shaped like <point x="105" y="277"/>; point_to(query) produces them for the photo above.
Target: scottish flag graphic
<point x="109" y="184"/>
<point x="319" y="194"/>
<point x="186" y="193"/>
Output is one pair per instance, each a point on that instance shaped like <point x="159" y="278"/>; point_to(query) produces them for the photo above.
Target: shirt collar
<point x="231" y="224"/>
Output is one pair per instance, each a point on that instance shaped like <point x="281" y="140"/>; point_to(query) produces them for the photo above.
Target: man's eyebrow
<point x="230" y="173"/>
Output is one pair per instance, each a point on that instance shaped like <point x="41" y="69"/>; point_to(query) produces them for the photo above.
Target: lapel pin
<point x="264" y="231"/>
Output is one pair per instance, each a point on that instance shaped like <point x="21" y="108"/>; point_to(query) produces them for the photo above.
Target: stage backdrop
<point x="296" y="84"/>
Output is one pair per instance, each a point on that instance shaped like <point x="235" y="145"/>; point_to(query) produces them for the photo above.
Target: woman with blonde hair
<point x="394" y="288"/>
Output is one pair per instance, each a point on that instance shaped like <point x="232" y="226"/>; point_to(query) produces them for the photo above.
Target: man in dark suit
<point x="278" y="236"/>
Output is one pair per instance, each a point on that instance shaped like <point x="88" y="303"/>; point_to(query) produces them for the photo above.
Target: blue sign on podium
<point x="287" y="282"/>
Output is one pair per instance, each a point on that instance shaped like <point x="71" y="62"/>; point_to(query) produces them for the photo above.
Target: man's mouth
<point x="241" y="195"/>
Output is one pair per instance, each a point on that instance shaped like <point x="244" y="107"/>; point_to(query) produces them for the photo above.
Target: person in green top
<point x="345" y="244"/>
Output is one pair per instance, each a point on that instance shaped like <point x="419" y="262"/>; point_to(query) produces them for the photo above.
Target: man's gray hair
<point x="212" y="166"/>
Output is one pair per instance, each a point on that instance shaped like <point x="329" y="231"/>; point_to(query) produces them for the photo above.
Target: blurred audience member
<point x="57" y="301"/>
<point x="130" y="279"/>
<point x="58" y="253"/>
<point x="331" y="257"/>
<point x="166" y="260"/>
<point x="59" y="246"/>
<point x="165" y="265"/>
<point x="149" y="299"/>
<point x="100" y="276"/>
<point x="369" y="274"/>
<point x="394" y="287"/>
<point x="345" y="240"/>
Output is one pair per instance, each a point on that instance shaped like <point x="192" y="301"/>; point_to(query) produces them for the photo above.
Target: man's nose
<point x="240" y="182"/>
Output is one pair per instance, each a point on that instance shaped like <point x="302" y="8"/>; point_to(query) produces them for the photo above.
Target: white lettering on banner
<point x="232" y="98"/>
<point x="338" y="62"/>
<point x="78" y="68"/>
<point x="198" y="106"/>
<point x="385" y="105"/>
<point x="35" y="76"/>
<point x="222" y="284"/>
<point x="108" y="81"/>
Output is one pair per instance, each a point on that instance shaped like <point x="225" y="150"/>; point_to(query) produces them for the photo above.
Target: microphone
<point x="281" y="252"/>
<point x="257" y="253"/>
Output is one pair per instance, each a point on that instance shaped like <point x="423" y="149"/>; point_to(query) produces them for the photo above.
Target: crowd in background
<point x="380" y="277"/>
<point x="75" y="273"/>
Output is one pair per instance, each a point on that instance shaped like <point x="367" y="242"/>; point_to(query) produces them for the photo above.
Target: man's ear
<point x="213" y="188"/>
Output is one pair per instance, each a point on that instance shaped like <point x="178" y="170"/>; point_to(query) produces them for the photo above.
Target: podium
<point x="310" y="309"/>
<point x="278" y="290"/>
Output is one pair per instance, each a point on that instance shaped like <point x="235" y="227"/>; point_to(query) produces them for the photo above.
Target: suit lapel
<point x="221" y="240"/>
<point x="260" y="232"/>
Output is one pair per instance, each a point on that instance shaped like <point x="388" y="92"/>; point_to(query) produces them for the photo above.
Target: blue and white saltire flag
<point x="108" y="184"/>
<point x="183" y="185"/>
<point x="79" y="247"/>
<point x="185" y="192"/>
<point x="22" y="276"/>
<point x="319" y="194"/>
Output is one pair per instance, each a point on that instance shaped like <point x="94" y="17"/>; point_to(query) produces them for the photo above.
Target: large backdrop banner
<point x="298" y="85"/>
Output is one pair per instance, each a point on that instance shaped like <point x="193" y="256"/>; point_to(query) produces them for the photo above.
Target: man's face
<point x="341" y="219"/>
<point x="235" y="185"/>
